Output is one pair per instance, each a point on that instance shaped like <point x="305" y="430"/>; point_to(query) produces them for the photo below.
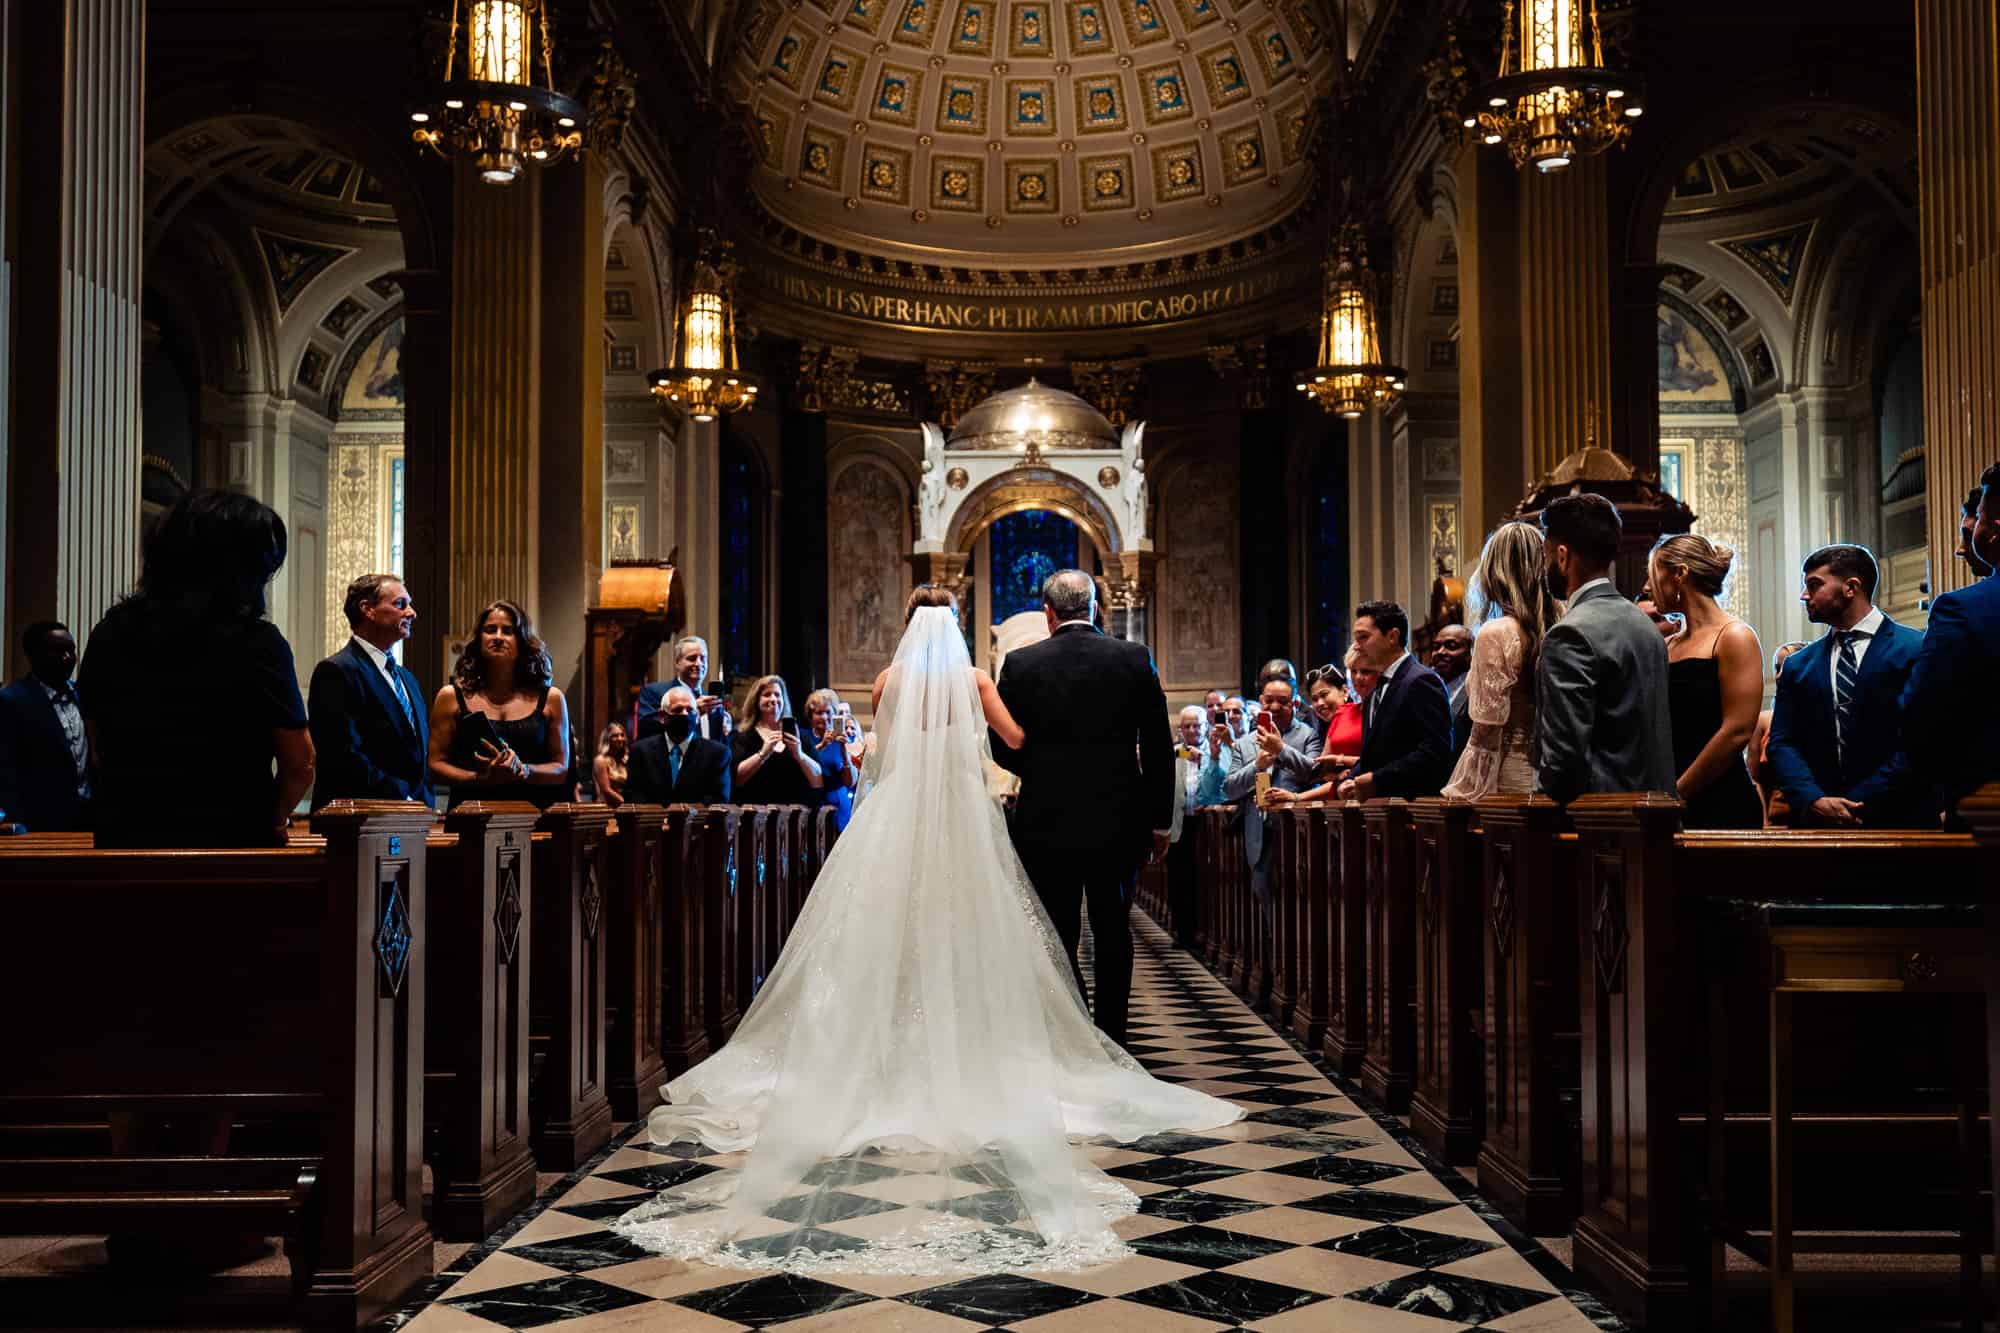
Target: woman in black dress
<point x="191" y="695"/>
<point x="1715" y="684"/>
<point x="500" y="730"/>
<point x="772" y="767"/>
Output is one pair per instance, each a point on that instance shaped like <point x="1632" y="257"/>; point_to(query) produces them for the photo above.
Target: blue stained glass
<point x="1028" y="547"/>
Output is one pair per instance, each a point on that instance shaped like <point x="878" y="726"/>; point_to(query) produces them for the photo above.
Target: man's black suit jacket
<point x="1406" y="733"/>
<point x="366" y="748"/>
<point x="37" y="770"/>
<point x="1097" y="773"/>
<point x="649" y="720"/>
<point x="704" y="777"/>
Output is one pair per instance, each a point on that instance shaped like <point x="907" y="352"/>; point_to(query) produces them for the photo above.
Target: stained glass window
<point x="1026" y="548"/>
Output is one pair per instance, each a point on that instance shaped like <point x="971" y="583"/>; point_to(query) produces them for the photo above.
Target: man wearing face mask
<point x="673" y="766"/>
<point x="1601" y="676"/>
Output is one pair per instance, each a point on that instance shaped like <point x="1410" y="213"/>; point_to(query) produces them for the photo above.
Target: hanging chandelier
<point x="1554" y="100"/>
<point x="707" y="382"/>
<point x="1351" y="375"/>
<point x="492" y="108"/>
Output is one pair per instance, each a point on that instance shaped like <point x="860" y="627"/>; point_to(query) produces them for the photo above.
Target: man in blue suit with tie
<point x="1951" y="710"/>
<point x="1836" y="746"/>
<point x="44" y="754"/>
<point x="365" y="708"/>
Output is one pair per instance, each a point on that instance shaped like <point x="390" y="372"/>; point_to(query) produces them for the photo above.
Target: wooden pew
<point x="1313" y="951"/>
<point x="1448" y="1104"/>
<point x="717" y="881"/>
<point x="1211" y="892"/>
<point x="302" y="974"/>
<point x="1389" y="1068"/>
<point x="1347" y="939"/>
<point x="479" y="903"/>
<point x="686" y="834"/>
<point x="1982" y="811"/>
<point x="1650" y="900"/>
<point x="1281" y="830"/>
<point x="636" y="950"/>
<point x="572" y="1113"/>
<point x="1528" y="1162"/>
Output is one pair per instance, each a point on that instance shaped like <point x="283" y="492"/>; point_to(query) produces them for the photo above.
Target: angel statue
<point x="1133" y="486"/>
<point x="932" y="492"/>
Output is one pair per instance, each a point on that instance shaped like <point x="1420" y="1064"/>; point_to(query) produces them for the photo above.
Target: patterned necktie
<point x="403" y="695"/>
<point x="1845" y="670"/>
<point x="673" y="765"/>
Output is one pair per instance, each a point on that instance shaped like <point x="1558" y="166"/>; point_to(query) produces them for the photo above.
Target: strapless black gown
<point x="1694" y="701"/>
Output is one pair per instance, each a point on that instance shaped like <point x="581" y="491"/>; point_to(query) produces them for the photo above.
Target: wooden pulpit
<point x="641" y="605"/>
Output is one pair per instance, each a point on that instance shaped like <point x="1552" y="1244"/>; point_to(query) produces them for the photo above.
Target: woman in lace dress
<point x="1510" y="609"/>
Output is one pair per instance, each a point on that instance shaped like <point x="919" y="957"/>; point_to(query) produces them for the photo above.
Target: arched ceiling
<point x="1806" y="150"/>
<point x="989" y="131"/>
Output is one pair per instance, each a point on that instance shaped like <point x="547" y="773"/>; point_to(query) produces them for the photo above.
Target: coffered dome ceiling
<point x="989" y="131"/>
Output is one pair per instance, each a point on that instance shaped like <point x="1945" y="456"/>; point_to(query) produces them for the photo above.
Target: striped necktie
<point x="1846" y="669"/>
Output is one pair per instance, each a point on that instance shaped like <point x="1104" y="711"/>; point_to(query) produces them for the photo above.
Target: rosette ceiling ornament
<point x="497" y="103"/>
<point x="1554" y="99"/>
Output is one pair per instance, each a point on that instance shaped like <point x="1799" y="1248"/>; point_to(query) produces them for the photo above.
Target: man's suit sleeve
<point x="1156" y="744"/>
<point x="1890" y="784"/>
<point x="1242" y="778"/>
<point x="725" y="771"/>
<point x="1003" y="754"/>
<point x="1565" y="710"/>
<point x="1788" y="763"/>
<point x="1410" y="773"/>
<point x="1933" y="721"/>
<point x="344" y="767"/>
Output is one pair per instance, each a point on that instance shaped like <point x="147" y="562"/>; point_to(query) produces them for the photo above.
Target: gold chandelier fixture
<point x="1554" y="100"/>
<point x="1351" y="376"/>
<point x="498" y="105"/>
<point x="707" y="382"/>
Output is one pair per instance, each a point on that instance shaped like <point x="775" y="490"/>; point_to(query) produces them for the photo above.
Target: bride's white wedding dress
<point x="913" y="1086"/>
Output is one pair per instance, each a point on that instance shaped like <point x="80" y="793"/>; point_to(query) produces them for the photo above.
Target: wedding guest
<point x="839" y="748"/>
<point x="1210" y="703"/>
<point x="772" y="766"/>
<point x="675" y="765"/>
<point x="1451" y="657"/>
<point x="1190" y="743"/>
<point x="1236" y="716"/>
<point x="1715" y="684"/>
<point x="1214" y="760"/>
<point x="609" y="769"/>
<point x="1340" y="737"/>
<point x="1667" y="625"/>
<point x="1968" y="518"/>
<point x="196" y="727"/>
<point x="1510" y="603"/>
<point x="1276" y="747"/>
<point x="691" y="670"/>
<point x="369" y="731"/>
<point x="1951" y="708"/>
<point x="1601" y="721"/>
<point x="1406" y="723"/>
<point x="1776" y="812"/>
<point x="1277" y="668"/>
<point x="1836" y="744"/>
<point x="500" y="729"/>
<point x="44" y="749"/>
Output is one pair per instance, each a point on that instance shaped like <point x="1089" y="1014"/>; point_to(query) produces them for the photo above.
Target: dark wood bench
<point x="1346" y="959"/>
<point x="1448" y="1103"/>
<point x="637" y="956"/>
<point x="571" y="1108"/>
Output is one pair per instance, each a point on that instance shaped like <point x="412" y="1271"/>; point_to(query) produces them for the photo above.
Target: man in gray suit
<point x="1601" y="679"/>
<point x="1284" y="747"/>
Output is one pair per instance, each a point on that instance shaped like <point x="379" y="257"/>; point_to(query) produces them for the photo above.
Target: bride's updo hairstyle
<point x="928" y="594"/>
<point x="1703" y="563"/>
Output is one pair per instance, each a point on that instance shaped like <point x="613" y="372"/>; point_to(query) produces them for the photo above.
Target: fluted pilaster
<point x="1565" y="312"/>
<point x="1958" y="166"/>
<point x="495" y="401"/>
<point x="75" y="446"/>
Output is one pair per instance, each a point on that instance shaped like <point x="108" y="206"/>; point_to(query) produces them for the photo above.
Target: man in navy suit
<point x="369" y="727"/>
<point x="690" y="669"/>
<point x="1406" y="723"/>
<point x="44" y="752"/>
<point x="1951" y="708"/>
<point x="1836" y="746"/>
<point x="674" y="766"/>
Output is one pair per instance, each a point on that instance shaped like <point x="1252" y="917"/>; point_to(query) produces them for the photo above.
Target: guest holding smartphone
<point x="837" y="744"/>
<point x="772" y="766"/>
<point x="500" y="729"/>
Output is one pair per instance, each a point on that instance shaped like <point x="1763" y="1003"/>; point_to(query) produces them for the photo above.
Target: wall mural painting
<point x="621" y="523"/>
<point x="1708" y="474"/>
<point x="868" y="534"/>
<point x="294" y="263"/>
<point x="1691" y="371"/>
<point x="364" y="519"/>
<point x="376" y="384"/>
<point x="1196" y="581"/>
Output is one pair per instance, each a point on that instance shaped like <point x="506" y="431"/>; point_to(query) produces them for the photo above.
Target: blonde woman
<point x="1509" y="609"/>
<point x="607" y="770"/>
<point x="773" y="767"/>
<point x="1715" y="684"/>
<point x="835" y="741"/>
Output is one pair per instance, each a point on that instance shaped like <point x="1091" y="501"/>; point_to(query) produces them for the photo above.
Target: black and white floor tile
<point x="1314" y="1212"/>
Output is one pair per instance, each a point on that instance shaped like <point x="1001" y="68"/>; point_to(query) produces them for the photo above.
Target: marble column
<point x="1564" y="312"/>
<point x="569" y="497"/>
<point x="1492" y="470"/>
<point x="73" y="447"/>
<point x="1958" y="145"/>
<point x="495" y="398"/>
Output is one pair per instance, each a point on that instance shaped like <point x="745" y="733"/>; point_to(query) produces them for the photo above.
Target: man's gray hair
<point x="678" y="687"/>
<point x="1069" y="593"/>
<point x="1200" y="715"/>
<point x="687" y="639"/>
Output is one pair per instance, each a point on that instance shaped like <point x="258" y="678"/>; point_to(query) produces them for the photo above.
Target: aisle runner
<point x="1308" y="1215"/>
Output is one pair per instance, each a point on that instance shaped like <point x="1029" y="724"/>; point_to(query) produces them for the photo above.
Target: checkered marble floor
<point x="1312" y="1213"/>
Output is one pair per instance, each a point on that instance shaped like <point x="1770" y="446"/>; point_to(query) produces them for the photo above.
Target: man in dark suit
<point x="1097" y="780"/>
<point x="1836" y="746"/>
<point x="1601" y="677"/>
<point x="1406" y="723"/>
<point x="369" y="728"/>
<point x="44" y="751"/>
<point x="674" y="766"/>
<point x="690" y="669"/>
<point x="1451" y="658"/>
<point x="1951" y="708"/>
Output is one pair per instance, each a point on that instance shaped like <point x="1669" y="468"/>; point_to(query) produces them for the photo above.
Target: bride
<point x="913" y="1089"/>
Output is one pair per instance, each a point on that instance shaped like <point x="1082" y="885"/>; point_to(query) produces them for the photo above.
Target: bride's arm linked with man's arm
<point x="998" y="718"/>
